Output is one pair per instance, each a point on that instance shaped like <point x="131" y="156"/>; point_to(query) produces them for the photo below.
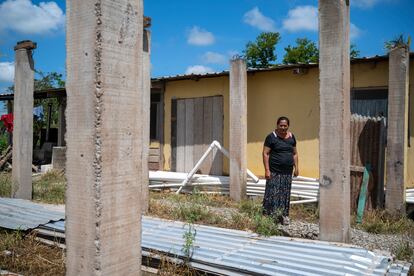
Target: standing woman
<point x="280" y="159"/>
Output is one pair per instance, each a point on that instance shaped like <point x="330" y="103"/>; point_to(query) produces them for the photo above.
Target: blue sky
<point x="200" y="36"/>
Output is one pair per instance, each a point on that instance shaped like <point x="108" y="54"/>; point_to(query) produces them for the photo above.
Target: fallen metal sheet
<point x="233" y="252"/>
<point x="20" y="214"/>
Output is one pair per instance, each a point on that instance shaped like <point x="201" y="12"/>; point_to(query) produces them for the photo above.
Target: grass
<point x="199" y="208"/>
<point x="49" y="188"/>
<point x="405" y="252"/>
<point x="5" y="184"/>
<point x="381" y="222"/>
<point x="22" y="254"/>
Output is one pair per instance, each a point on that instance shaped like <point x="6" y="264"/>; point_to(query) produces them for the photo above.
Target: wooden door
<point x="195" y="123"/>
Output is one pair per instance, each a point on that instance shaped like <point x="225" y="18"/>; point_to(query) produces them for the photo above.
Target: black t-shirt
<point x="281" y="153"/>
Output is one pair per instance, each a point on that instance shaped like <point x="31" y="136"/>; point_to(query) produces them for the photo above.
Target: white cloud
<point x="256" y="19"/>
<point x="214" y="58"/>
<point x="302" y="18"/>
<point x="6" y="71"/>
<point x="25" y="17"/>
<point x="364" y="3"/>
<point x="354" y="31"/>
<point x="198" y="69"/>
<point x="200" y="37"/>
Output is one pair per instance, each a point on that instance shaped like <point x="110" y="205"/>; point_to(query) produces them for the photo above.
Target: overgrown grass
<point x="23" y="254"/>
<point x="381" y="222"/>
<point x="5" y="184"/>
<point x="405" y="252"/>
<point x="49" y="188"/>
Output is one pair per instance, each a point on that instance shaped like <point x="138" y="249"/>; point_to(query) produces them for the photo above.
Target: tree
<point x="261" y="53"/>
<point x="304" y="52"/>
<point x="353" y="51"/>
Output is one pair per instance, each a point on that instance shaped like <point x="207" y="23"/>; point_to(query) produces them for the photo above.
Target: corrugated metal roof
<point x="233" y="252"/>
<point x="19" y="214"/>
<point x="226" y="251"/>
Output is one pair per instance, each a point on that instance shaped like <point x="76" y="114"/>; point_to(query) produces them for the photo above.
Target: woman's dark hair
<point x="283" y="118"/>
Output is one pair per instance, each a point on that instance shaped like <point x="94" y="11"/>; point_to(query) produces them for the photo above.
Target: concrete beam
<point x="396" y="156"/>
<point x="23" y="120"/>
<point x="146" y="104"/>
<point x="238" y="129"/>
<point x="334" y="133"/>
<point x="104" y="143"/>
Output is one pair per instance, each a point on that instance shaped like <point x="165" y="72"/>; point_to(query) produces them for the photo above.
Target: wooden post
<point x="396" y="159"/>
<point x="23" y="120"/>
<point x="334" y="133"/>
<point x="238" y="129"/>
<point x="104" y="143"/>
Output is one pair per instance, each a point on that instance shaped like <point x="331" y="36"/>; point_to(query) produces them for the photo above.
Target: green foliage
<point x="189" y="238"/>
<point x="263" y="225"/>
<point x="304" y="52"/>
<point x="353" y="51"/>
<point x="261" y="53"/>
<point x="399" y="41"/>
<point x="4" y="141"/>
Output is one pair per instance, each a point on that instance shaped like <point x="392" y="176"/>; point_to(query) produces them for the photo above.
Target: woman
<point x="280" y="158"/>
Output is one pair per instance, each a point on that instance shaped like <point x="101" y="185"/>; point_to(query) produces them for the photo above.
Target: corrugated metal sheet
<point x="233" y="252"/>
<point x="23" y="214"/>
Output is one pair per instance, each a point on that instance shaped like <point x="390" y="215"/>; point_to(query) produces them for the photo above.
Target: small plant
<point x="189" y="238"/>
<point x="399" y="41"/>
<point x="50" y="188"/>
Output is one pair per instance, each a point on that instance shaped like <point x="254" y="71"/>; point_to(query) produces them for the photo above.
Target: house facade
<point x="191" y="111"/>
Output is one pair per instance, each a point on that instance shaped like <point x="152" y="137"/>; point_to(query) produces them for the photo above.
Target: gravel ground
<point x="375" y="242"/>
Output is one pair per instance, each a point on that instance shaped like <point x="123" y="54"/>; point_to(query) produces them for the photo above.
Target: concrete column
<point x="104" y="94"/>
<point x="334" y="133"/>
<point x="238" y="129"/>
<point x="396" y="159"/>
<point x="146" y="104"/>
<point x="23" y="120"/>
<point x="61" y="122"/>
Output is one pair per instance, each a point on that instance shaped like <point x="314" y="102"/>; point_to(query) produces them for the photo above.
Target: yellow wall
<point x="276" y="93"/>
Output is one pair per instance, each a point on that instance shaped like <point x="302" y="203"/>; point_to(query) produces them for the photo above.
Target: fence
<point x="368" y="136"/>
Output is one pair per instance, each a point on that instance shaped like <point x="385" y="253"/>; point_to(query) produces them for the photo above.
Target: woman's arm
<point x="266" y="154"/>
<point x="296" y="160"/>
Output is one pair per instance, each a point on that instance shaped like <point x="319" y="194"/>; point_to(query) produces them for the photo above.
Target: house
<point x="189" y="111"/>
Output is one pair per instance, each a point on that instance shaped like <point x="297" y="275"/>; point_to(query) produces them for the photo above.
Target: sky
<point x="199" y="36"/>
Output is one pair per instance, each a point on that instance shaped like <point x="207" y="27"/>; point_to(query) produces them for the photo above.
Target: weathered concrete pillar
<point x="146" y="104"/>
<point x="104" y="93"/>
<point x="396" y="160"/>
<point x="238" y="129"/>
<point x="334" y="133"/>
<point x="62" y="122"/>
<point x="23" y="120"/>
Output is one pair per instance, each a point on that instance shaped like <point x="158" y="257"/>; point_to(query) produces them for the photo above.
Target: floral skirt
<point x="277" y="195"/>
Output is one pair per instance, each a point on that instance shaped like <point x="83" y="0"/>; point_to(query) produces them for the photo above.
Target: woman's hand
<point x="267" y="174"/>
<point x="296" y="172"/>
